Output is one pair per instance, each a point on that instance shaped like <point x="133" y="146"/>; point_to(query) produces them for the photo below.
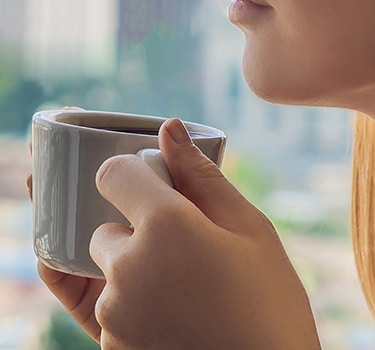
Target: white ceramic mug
<point x="68" y="148"/>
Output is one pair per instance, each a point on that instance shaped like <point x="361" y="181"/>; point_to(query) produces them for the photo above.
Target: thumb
<point x="196" y="177"/>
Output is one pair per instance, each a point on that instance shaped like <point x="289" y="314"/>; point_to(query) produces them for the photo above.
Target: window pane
<point x="172" y="58"/>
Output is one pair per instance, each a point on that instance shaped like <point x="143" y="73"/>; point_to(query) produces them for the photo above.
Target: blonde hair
<point x="363" y="205"/>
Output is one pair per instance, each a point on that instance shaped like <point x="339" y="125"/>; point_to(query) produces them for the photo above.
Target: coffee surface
<point x="152" y="132"/>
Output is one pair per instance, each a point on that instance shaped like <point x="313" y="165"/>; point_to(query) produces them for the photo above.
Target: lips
<point x="257" y="2"/>
<point x="248" y="13"/>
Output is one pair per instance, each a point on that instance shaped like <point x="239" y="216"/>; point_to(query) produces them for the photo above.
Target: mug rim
<point x="56" y="117"/>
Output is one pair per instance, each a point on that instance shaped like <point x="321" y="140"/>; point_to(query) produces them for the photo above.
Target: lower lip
<point x="246" y="11"/>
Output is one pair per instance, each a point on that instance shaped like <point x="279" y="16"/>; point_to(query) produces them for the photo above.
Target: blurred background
<point x="171" y="58"/>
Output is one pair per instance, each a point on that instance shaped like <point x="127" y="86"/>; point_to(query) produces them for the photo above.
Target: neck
<point x="361" y="100"/>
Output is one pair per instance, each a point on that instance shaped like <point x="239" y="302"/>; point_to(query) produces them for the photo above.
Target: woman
<point x="203" y="268"/>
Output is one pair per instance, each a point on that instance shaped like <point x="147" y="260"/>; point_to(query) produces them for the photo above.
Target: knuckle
<point x="107" y="342"/>
<point x="204" y="171"/>
<point x="98" y="246"/>
<point x="112" y="314"/>
<point x="103" y="310"/>
<point x="97" y="237"/>
<point x="158" y="213"/>
<point x="207" y="169"/>
<point x="203" y="165"/>
<point x="109" y="258"/>
<point x="165" y="219"/>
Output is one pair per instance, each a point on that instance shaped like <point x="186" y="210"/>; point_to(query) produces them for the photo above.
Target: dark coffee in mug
<point x="151" y="132"/>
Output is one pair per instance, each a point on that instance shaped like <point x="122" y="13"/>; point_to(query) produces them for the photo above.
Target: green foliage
<point x="328" y="227"/>
<point x="19" y="97"/>
<point x="63" y="333"/>
<point x="18" y="104"/>
<point x="255" y="182"/>
<point x="249" y="175"/>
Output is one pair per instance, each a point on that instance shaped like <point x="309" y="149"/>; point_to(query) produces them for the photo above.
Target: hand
<point x="77" y="294"/>
<point x="203" y="269"/>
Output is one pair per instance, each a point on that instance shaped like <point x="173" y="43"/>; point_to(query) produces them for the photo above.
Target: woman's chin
<point x="273" y="92"/>
<point x="282" y="91"/>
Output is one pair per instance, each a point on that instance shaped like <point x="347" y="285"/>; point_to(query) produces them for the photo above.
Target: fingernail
<point x="178" y="132"/>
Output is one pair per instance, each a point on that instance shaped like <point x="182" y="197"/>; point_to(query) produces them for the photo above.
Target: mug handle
<point x="154" y="159"/>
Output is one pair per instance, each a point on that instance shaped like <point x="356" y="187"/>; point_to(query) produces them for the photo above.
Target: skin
<point x="311" y="52"/>
<point x="204" y="268"/>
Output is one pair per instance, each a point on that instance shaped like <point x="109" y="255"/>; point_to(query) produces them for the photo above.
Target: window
<point x="172" y="58"/>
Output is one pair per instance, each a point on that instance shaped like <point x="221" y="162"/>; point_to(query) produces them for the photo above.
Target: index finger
<point x="134" y="189"/>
